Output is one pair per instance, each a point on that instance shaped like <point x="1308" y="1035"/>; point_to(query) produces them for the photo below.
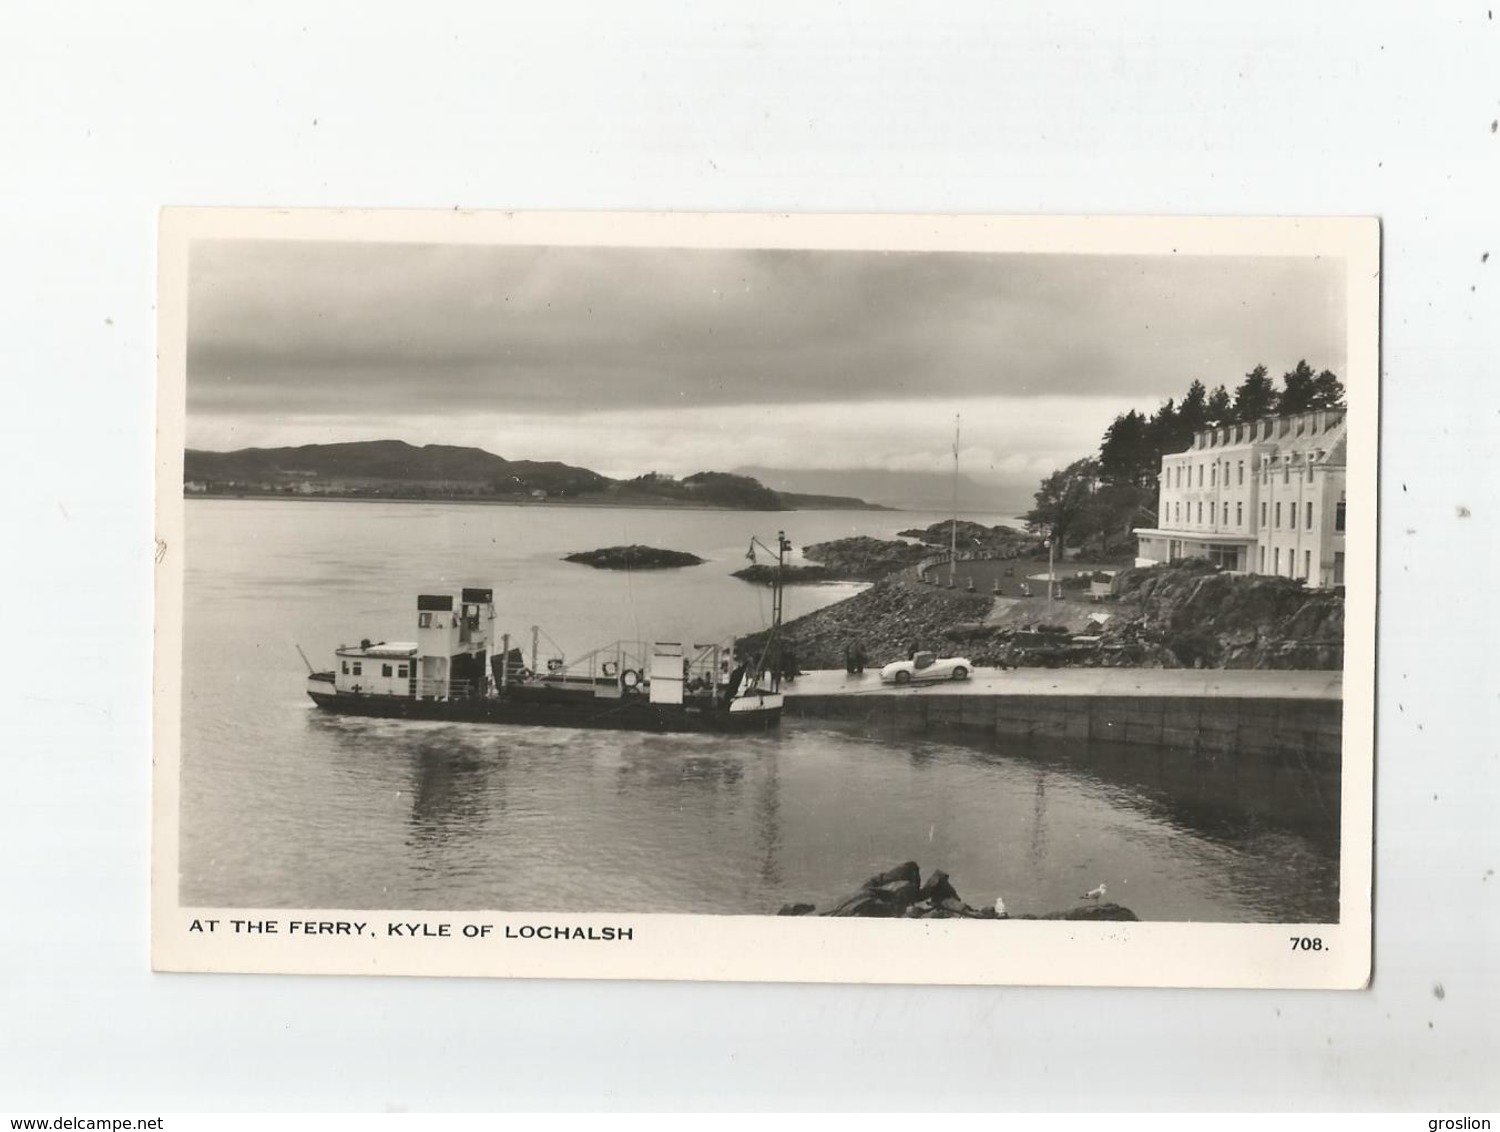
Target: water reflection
<point x="465" y="816"/>
<point x="1264" y="827"/>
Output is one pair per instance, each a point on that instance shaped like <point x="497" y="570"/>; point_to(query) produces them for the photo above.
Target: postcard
<point x="889" y="599"/>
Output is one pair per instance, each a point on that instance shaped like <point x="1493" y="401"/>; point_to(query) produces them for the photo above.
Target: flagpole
<point x="953" y="529"/>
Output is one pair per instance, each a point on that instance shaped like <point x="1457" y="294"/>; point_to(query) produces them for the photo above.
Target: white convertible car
<point x="926" y="666"/>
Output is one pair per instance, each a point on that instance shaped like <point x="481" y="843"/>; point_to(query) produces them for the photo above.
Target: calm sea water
<point x="285" y="806"/>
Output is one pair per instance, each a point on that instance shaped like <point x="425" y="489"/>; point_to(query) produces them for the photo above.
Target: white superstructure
<point x="449" y="658"/>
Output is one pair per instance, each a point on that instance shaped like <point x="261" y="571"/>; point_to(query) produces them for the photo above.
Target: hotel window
<point x="1239" y="514"/>
<point x="1262" y="513"/>
<point x="1309" y="515"/>
<point x="1278" y="517"/>
<point x="358" y="668"/>
<point x="1200" y="475"/>
<point x="1200" y="507"/>
<point x="1177" y="512"/>
<point x="404" y="671"/>
<point x="346" y="668"/>
<point x="1262" y="560"/>
<point x="1213" y="512"/>
<point x="1307" y="564"/>
<point x="385" y="669"/>
<point x="1213" y="476"/>
<point x="424" y="621"/>
<point x="1240" y="475"/>
<point x="1338" y="516"/>
<point x="1286" y="471"/>
<point x="1276" y="559"/>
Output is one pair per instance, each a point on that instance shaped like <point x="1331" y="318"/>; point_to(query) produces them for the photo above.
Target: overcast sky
<point x="628" y="360"/>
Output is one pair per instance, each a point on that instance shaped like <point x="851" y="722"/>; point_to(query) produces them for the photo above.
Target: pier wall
<point x="1310" y="729"/>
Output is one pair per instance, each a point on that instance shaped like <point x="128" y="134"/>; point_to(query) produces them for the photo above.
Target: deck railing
<point x="443" y="689"/>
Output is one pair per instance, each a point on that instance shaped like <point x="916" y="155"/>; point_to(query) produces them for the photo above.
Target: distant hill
<point x="907" y="491"/>
<point x="369" y="462"/>
<point x="800" y="501"/>
<point x="393" y="469"/>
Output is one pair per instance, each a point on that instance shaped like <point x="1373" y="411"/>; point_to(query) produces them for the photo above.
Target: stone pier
<point x="1244" y="712"/>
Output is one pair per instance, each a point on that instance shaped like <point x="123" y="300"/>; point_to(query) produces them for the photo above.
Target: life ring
<point x="611" y="669"/>
<point x="630" y="678"/>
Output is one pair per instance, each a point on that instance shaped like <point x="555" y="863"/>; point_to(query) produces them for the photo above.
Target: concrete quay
<point x="1236" y="683"/>
<point x="1242" y="712"/>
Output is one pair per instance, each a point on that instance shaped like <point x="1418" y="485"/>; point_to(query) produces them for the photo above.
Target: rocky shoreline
<point x="1186" y="615"/>
<point x="901" y="893"/>
<point x="1000" y="541"/>
<point x="763" y="575"/>
<point x="864" y="559"/>
<point x="886" y="620"/>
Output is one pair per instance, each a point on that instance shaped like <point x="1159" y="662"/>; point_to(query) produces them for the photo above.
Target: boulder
<point x="1105" y="911"/>
<point x="898" y="894"/>
<point x="866" y="904"/>
<point x="937" y="888"/>
<point x="906" y="871"/>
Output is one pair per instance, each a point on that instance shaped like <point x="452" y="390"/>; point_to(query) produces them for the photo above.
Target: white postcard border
<point x="771" y="948"/>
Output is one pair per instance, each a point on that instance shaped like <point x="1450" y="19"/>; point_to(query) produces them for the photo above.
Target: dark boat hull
<point x="559" y="710"/>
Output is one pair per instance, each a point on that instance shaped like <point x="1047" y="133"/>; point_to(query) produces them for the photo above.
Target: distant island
<point x="634" y="558"/>
<point x="393" y="469"/>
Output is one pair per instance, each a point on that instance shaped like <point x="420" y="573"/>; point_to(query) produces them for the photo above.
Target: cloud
<point x="282" y="330"/>
<point x="1013" y="440"/>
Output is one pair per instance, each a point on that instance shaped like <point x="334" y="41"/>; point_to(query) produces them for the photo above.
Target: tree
<point x="1298" y="391"/>
<point x="1192" y="416"/>
<point x="1062" y="500"/>
<point x="1161" y="429"/>
<point x="1328" y="391"/>
<point x="1256" y="396"/>
<point x="1220" y="410"/>
<point x="1112" y="514"/>
<point x="1126" y="455"/>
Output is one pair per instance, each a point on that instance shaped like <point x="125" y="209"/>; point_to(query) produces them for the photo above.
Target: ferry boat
<point x="454" y="672"/>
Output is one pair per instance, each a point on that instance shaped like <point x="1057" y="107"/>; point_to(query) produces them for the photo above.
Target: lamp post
<point x="1051" y="577"/>
<point x="772" y="650"/>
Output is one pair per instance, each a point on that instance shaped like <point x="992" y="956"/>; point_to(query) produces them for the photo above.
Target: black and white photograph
<point x="894" y="599"/>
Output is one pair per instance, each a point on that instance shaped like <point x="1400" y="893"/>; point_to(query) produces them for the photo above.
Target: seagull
<point x="1095" y="893"/>
<point x="999" y="905"/>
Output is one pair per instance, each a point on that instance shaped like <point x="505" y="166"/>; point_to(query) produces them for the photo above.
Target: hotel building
<point x="1263" y="497"/>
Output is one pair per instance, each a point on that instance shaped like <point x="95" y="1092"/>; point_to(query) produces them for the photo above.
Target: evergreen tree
<point x="1256" y="397"/>
<point x="1161" y="434"/>
<point x="1192" y="415"/>
<point x="1297" y="394"/>
<point x="1220" y="410"/>
<point x="1328" y="391"/>
<point x="1126" y="455"/>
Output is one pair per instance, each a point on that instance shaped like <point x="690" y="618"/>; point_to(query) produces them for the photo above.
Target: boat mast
<point x="953" y="529"/>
